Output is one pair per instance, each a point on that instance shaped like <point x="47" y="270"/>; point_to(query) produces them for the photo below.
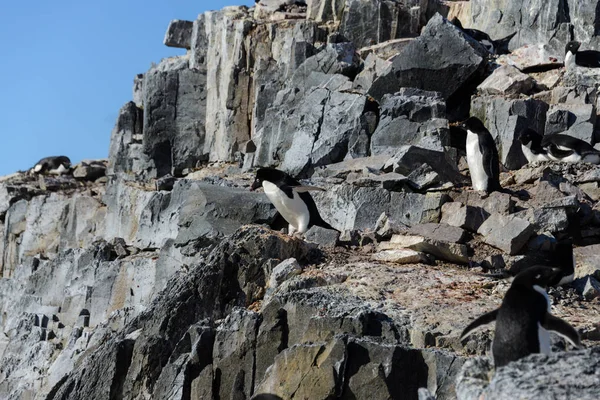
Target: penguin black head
<point x="538" y="275"/>
<point x="270" y="175"/>
<point x="474" y="125"/>
<point x="573" y="47"/>
<point x="529" y="136"/>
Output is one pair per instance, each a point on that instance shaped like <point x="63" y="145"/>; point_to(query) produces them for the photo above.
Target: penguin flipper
<point x="563" y="328"/>
<point x="482" y="320"/>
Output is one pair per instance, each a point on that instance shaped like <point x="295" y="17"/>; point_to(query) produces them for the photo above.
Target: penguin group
<point x="524" y="318"/>
<point x="556" y="147"/>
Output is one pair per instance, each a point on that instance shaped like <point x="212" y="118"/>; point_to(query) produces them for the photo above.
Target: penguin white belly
<point x="531" y="157"/>
<point x="544" y="339"/>
<point x="569" y="61"/>
<point x="293" y="210"/>
<point x="479" y="179"/>
<point x="573" y="158"/>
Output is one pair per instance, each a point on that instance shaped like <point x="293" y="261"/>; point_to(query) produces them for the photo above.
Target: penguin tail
<point x="325" y="225"/>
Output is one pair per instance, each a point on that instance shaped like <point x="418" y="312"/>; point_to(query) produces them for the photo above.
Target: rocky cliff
<point x="163" y="279"/>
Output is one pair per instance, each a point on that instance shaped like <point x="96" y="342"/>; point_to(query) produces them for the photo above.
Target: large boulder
<point x="506" y="119"/>
<point x="442" y="59"/>
<point x="174" y="115"/>
<point x="564" y="375"/>
<point x="411" y="117"/>
<point x="548" y="22"/>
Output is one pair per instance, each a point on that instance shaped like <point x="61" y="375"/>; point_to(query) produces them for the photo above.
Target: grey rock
<point x="324" y="123"/>
<point x="442" y="59"/>
<point x="193" y="213"/>
<point x="505" y="119"/>
<point x="125" y="152"/>
<point x="348" y="207"/>
<point x="411" y="117"/>
<point x="165" y="182"/>
<point x="390" y="181"/>
<point x="174" y="115"/>
<point x="90" y="170"/>
<point x="409" y="158"/>
<point x="550" y="219"/>
<point x="425" y="394"/>
<point x="444" y="232"/>
<point x="508" y="233"/>
<point x="438" y="247"/>
<point x="354" y="165"/>
<point x="400" y="256"/>
<point x="138" y="90"/>
<point x="572" y="95"/>
<point x="587" y="261"/>
<point x="324" y="10"/>
<point x="463" y="216"/>
<point x="571" y="375"/>
<point x="424" y="177"/>
<point x="282" y="272"/>
<point x="233" y="353"/>
<point x="179" y="34"/>
<point x="506" y="80"/>
<point x="326" y="238"/>
<point x="576" y="120"/>
<point x="545" y="22"/>
<point x="530" y="56"/>
<point x="373" y="68"/>
<point x="334" y="58"/>
<point x="370" y="22"/>
<point x="385" y="50"/>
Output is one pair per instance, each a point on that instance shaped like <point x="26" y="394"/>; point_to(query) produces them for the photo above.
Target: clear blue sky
<point x="67" y="67"/>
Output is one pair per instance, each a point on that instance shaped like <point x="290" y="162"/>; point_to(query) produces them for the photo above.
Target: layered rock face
<point x="159" y="275"/>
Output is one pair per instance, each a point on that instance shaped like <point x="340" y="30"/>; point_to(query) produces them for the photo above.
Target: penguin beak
<point x="254" y="186"/>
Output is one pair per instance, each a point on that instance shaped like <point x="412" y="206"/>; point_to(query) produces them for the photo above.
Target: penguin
<point x="574" y="57"/>
<point x="56" y="165"/>
<point x="523" y="319"/>
<point x="482" y="156"/>
<point x="499" y="46"/>
<point x="531" y="146"/>
<point x="565" y="148"/>
<point x="291" y="199"/>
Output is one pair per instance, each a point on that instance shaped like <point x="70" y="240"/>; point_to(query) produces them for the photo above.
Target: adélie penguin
<point x="482" y="156"/>
<point x="291" y="199"/>
<point x="523" y="319"/>
<point x="531" y="146"/>
<point x="586" y="58"/>
<point x="56" y="165"/>
<point x="565" y="148"/>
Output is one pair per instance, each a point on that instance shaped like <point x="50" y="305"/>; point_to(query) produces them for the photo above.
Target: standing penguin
<point x="565" y="148"/>
<point x="482" y="156"/>
<point x="57" y="165"/>
<point x="291" y="199"/>
<point x="531" y="146"/>
<point x="574" y="57"/>
<point x="523" y="320"/>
